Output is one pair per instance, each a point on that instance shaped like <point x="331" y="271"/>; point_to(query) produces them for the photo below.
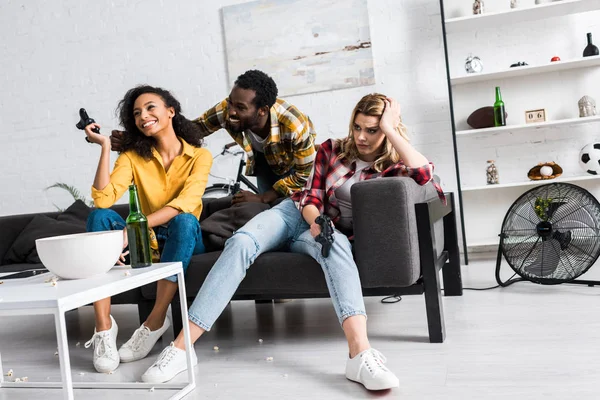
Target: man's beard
<point x="243" y="125"/>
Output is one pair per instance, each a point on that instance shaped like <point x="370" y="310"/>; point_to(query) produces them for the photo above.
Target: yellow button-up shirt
<point x="181" y="187"/>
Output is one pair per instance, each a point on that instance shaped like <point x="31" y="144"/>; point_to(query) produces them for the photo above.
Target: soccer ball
<point x="589" y="158"/>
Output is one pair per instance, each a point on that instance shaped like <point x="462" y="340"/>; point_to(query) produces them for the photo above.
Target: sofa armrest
<point x="386" y="245"/>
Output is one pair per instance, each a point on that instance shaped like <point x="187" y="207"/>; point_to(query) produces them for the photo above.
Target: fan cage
<point x="557" y="242"/>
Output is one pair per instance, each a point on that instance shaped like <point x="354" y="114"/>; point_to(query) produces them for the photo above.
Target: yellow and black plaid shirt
<point x="290" y="146"/>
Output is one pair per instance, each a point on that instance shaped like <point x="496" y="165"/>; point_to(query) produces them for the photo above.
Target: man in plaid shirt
<point x="276" y="136"/>
<point x="278" y="139"/>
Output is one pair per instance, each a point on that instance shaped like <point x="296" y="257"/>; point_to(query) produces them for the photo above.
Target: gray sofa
<point x="404" y="235"/>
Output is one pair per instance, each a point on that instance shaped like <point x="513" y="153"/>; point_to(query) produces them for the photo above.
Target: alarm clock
<point x="473" y="64"/>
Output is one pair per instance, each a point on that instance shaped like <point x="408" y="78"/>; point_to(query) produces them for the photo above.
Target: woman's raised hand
<point x="391" y="116"/>
<point x="95" y="137"/>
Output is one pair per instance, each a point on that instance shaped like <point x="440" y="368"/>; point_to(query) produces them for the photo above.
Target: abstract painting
<point x="306" y="46"/>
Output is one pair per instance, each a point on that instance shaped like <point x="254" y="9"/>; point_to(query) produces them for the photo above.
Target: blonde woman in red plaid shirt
<point x="376" y="146"/>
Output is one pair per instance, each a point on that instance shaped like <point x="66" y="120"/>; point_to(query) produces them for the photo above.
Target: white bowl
<point x="82" y="255"/>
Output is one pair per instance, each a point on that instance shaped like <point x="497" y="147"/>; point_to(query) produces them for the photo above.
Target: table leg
<point x="186" y="339"/>
<point x="1" y="371"/>
<point x="63" y="354"/>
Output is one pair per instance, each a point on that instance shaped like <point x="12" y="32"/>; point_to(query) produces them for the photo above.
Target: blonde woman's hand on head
<point x="391" y="116"/>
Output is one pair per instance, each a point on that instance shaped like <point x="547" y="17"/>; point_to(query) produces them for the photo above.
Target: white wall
<point x="536" y="43"/>
<point x="60" y="56"/>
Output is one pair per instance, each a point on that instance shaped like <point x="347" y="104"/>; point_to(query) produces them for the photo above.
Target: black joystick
<point x="85" y="120"/>
<point x="326" y="236"/>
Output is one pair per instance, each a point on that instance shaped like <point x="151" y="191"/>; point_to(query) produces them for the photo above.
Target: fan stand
<point x="510" y="281"/>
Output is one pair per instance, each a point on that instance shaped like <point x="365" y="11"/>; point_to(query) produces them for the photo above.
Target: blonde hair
<point x="371" y="105"/>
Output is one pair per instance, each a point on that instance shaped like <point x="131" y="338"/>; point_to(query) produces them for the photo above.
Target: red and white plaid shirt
<point x="330" y="172"/>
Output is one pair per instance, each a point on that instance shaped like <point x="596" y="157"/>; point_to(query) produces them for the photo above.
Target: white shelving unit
<point x="479" y="223"/>
<point x="542" y="11"/>
<point x="531" y="183"/>
<point x="532" y="126"/>
<point x="527" y="70"/>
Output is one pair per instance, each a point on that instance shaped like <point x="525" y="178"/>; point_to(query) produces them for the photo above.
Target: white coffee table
<point x="34" y="296"/>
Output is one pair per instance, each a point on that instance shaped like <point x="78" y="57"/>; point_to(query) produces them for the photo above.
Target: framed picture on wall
<point x="305" y="45"/>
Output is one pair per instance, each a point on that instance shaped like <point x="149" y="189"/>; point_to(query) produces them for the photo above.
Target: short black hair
<point x="263" y="85"/>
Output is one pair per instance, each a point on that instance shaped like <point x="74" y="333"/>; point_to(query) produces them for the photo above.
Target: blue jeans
<point x="282" y="225"/>
<point x="182" y="237"/>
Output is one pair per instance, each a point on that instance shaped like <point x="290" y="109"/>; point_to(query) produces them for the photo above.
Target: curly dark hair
<point x="142" y="144"/>
<point x="262" y="84"/>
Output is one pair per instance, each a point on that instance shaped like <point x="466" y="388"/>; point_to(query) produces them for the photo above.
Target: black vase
<point x="590" y="49"/>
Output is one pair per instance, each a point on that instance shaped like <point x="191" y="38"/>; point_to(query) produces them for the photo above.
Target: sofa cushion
<point x="273" y="273"/>
<point x="220" y="225"/>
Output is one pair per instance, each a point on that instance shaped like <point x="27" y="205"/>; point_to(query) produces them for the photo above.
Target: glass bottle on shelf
<point x="499" y="115"/>
<point x="492" y="173"/>
<point x="590" y="49"/>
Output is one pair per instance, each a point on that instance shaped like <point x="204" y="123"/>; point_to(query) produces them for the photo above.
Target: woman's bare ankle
<point x="357" y="348"/>
<point x="179" y="343"/>
<point x="103" y="324"/>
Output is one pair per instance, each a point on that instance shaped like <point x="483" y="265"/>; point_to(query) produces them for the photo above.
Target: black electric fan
<point x="551" y="235"/>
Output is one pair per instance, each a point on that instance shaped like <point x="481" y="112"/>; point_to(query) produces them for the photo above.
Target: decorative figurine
<point x="587" y="107"/>
<point x="492" y="173"/>
<point x="473" y="64"/>
<point x="514" y="3"/>
<point x="519" y="64"/>
<point x="478" y="7"/>
<point x="555" y="58"/>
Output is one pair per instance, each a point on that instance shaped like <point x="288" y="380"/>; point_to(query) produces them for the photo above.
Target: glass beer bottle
<point x="499" y="116"/>
<point x="137" y="232"/>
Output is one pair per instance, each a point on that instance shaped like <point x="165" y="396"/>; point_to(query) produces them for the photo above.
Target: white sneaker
<point x="169" y="363"/>
<point x="367" y="368"/>
<point x="141" y="342"/>
<point x="106" y="356"/>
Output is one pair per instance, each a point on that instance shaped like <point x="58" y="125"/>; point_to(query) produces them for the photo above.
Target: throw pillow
<point x="220" y="225"/>
<point x="77" y="213"/>
<point x="23" y="249"/>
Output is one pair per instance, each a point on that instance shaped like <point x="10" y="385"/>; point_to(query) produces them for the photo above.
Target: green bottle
<point x="137" y="232"/>
<point x="499" y="118"/>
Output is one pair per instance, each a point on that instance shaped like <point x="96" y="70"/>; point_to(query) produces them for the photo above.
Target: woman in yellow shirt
<point x="163" y="156"/>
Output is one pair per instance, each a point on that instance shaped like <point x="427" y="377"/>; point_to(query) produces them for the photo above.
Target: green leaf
<point x="76" y="194"/>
